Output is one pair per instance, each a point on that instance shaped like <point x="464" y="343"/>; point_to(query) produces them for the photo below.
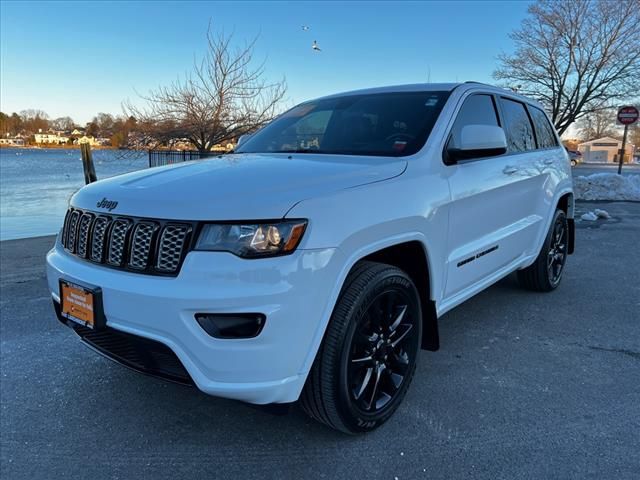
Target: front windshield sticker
<point x="431" y="102"/>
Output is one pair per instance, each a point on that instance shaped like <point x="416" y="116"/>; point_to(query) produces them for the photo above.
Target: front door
<point x="491" y="217"/>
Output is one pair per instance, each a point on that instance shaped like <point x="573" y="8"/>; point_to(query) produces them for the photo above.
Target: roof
<point x="601" y="140"/>
<point x="433" y="87"/>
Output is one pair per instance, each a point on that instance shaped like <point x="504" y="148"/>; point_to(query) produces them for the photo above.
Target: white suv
<point x="314" y="261"/>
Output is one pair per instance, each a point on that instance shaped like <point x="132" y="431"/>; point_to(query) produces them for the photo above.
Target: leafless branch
<point x="225" y="96"/>
<point x="575" y="56"/>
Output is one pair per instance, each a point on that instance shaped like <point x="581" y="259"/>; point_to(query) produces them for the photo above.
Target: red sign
<point x="628" y="115"/>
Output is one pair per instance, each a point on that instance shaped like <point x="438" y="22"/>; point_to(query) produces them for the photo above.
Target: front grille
<point x="128" y="243"/>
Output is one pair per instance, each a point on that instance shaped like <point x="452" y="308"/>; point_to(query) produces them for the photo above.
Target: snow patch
<point x="607" y="186"/>
<point x="601" y="213"/>
<point x="589" y="217"/>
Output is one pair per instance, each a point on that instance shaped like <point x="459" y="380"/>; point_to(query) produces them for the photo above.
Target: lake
<point x="36" y="184"/>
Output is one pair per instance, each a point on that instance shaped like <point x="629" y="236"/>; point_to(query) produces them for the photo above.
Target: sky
<point x="79" y="58"/>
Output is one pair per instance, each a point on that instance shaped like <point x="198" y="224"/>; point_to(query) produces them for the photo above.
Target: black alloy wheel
<point x="546" y="272"/>
<point x="557" y="254"/>
<point x="368" y="356"/>
<point x="379" y="361"/>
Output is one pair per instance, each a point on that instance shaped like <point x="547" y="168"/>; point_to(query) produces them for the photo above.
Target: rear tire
<point x="368" y="356"/>
<point x="545" y="273"/>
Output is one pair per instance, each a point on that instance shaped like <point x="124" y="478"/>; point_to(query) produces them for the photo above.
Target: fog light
<point x="231" y="325"/>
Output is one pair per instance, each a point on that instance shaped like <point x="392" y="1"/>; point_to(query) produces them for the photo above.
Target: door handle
<point x="509" y="170"/>
<point x="547" y="161"/>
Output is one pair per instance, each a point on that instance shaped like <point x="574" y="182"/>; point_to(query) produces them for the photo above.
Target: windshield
<point x="382" y="124"/>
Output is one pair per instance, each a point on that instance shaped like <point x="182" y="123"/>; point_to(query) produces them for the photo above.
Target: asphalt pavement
<point x="526" y="385"/>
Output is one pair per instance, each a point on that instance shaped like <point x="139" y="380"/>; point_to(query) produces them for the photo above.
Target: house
<point x="50" y="138"/>
<point x="604" y="150"/>
<point x="77" y="132"/>
<point x="84" y="139"/>
<point x="18" y="142"/>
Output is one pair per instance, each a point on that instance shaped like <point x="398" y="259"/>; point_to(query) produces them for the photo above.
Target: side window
<point x="476" y="110"/>
<point x="517" y="126"/>
<point x="544" y="130"/>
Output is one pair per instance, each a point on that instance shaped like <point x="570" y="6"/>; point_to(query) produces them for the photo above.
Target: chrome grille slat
<point x="172" y="242"/>
<point x="72" y="232"/>
<point x="138" y="245"/>
<point x="83" y="234"/>
<point x="65" y="228"/>
<point x="141" y="244"/>
<point x="117" y="241"/>
<point x="97" y="240"/>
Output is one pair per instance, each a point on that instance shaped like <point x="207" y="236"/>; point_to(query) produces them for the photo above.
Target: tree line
<point x="116" y="128"/>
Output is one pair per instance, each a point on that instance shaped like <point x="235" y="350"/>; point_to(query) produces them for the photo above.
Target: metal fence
<point x="158" y="158"/>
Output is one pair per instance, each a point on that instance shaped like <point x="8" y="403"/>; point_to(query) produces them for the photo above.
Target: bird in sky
<point x="315" y="46"/>
<point x="305" y="28"/>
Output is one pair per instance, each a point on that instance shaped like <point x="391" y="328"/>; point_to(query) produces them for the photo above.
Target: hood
<point x="233" y="187"/>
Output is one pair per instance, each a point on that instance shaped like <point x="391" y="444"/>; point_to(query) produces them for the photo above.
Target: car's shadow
<point x="164" y="411"/>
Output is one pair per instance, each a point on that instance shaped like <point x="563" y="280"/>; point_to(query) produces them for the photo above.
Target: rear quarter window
<point x="517" y="126"/>
<point x="544" y="131"/>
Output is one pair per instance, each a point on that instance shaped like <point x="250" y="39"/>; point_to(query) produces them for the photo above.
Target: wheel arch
<point x="566" y="203"/>
<point x="411" y="257"/>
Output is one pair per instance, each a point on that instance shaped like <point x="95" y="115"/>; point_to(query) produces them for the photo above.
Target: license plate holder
<point x="81" y="304"/>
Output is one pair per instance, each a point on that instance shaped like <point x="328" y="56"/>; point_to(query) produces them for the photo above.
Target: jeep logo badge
<point x="108" y="204"/>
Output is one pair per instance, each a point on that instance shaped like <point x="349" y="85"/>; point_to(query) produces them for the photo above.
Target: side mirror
<point x="242" y="139"/>
<point x="477" y="141"/>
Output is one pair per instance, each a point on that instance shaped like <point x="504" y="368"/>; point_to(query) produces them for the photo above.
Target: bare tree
<point x="575" y="55"/>
<point x="62" y="123"/>
<point x="34" y="120"/>
<point x="225" y="96"/>
<point x="598" y="124"/>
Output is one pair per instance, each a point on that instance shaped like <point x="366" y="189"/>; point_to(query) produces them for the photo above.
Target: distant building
<point x="604" y="150"/>
<point x="90" y="140"/>
<point x="77" y="131"/>
<point x="16" y="142"/>
<point x="50" y="138"/>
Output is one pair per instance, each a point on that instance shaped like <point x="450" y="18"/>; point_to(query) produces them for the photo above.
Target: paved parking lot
<point x="525" y="386"/>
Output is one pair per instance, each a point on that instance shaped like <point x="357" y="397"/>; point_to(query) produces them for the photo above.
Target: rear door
<point x="491" y="214"/>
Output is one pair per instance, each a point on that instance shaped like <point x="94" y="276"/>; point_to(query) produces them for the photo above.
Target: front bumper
<point x="295" y="292"/>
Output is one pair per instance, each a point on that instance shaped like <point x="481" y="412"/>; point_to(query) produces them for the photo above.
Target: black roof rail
<point x="479" y="83"/>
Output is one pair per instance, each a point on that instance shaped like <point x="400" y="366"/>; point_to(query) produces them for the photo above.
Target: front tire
<point x="368" y="356"/>
<point x="546" y="272"/>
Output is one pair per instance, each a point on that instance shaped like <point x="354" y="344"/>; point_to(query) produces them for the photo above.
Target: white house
<point x="50" y="138"/>
<point x="604" y="150"/>
<point x="12" y="141"/>
<point x="90" y="140"/>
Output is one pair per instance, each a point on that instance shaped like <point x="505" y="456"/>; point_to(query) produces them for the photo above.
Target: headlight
<point x="252" y="239"/>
